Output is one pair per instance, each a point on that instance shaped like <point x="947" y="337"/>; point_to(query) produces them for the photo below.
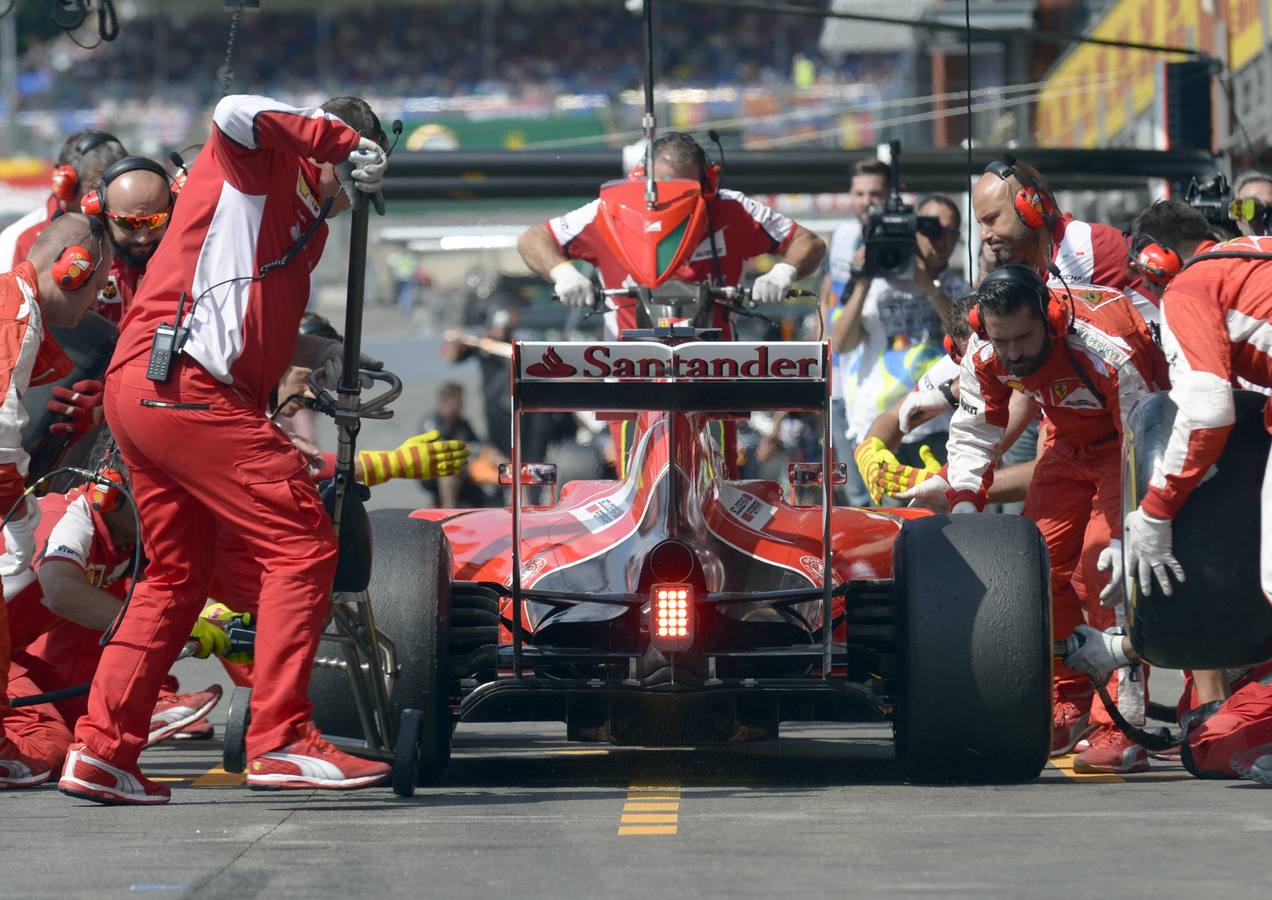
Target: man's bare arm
<point x="68" y="595"/>
<point x="539" y="250"/>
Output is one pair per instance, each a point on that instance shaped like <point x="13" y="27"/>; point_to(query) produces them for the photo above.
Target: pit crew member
<point x="58" y="611"/>
<point x="740" y="228"/>
<point x="1084" y="357"/>
<point x="134" y="200"/>
<point x="888" y="333"/>
<point x="208" y="468"/>
<point x="54" y="286"/>
<point x="1216" y="323"/>
<point x="81" y="162"/>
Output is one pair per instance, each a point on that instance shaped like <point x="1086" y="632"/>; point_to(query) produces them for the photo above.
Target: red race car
<point x="680" y="605"/>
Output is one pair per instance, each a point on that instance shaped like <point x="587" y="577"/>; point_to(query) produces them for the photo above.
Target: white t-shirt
<point x="903" y="338"/>
<point x="844" y="241"/>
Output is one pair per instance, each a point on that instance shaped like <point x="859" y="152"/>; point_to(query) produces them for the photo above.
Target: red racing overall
<point x="208" y="469"/>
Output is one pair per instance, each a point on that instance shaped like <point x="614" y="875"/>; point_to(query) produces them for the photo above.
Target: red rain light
<point x="671" y="616"/>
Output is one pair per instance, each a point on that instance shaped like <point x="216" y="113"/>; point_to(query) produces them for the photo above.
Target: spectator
<point x="452" y="491"/>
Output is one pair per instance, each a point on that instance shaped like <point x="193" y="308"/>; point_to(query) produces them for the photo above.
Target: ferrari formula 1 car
<point x="678" y="605"/>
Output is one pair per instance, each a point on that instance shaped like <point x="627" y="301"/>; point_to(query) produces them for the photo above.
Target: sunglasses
<point x="1247" y="209"/>
<point x="154" y="222"/>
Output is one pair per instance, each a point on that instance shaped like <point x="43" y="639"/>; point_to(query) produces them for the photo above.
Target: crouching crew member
<point x="54" y="286"/>
<point x="1085" y="357"/>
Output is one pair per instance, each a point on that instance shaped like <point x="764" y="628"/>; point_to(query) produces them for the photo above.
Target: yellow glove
<point x="223" y="617"/>
<point x="871" y="456"/>
<point x="897" y="478"/>
<point x="211" y="639"/>
<point x="420" y="456"/>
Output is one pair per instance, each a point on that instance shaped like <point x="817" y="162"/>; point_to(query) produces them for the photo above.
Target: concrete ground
<point x="823" y="812"/>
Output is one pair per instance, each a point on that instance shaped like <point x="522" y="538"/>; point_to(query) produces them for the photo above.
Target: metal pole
<point x="828" y="502"/>
<point x="9" y="78"/>
<point x="649" y="123"/>
<point x="349" y="391"/>
<point x="517" y="633"/>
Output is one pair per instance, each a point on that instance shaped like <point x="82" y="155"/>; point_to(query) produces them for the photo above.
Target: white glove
<point x="929" y="494"/>
<point x="19" y="540"/>
<point x="364" y="169"/>
<point x="1111" y="561"/>
<point x="919" y="406"/>
<point x="963" y="507"/>
<point x="572" y="287"/>
<point x="1097" y="653"/>
<point x="772" y="286"/>
<point x="1148" y="551"/>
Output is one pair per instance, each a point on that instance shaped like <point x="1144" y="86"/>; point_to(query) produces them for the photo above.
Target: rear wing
<point x="701" y="376"/>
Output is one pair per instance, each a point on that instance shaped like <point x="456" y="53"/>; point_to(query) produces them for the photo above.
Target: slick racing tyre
<point x="410" y="597"/>
<point x="1218" y="618"/>
<point x="237" y="718"/>
<point x="974" y="633"/>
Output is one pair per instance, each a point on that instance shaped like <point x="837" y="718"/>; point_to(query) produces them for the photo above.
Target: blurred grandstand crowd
<point x="551" y="46"/>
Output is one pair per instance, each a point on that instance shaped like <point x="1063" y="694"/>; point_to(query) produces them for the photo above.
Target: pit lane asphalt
<point x="824" y="812"/>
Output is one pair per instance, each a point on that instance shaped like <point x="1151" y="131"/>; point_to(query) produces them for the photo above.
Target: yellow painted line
<point x="580" y="752"/>
<point x="649" y="819"/>
<point x="218" y="777"/>
<point x="625" y="830"/>
<point x="630" y="806"/>
<point x="651" y="809"/>
<point x="1065" y="765"/>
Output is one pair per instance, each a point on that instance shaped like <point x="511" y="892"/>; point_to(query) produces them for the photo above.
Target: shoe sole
<point x="74" y="787"/>
<point x="299" y="783"/>
<point x="1088" y="769"/>
<point x="193" y="736"/>
<point x="1077" y="739"/>
<point x="32" y="781"/>
<point x="169" y="730"/>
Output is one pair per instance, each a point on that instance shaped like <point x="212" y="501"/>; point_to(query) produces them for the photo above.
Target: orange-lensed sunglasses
<point x="154" y="222"/>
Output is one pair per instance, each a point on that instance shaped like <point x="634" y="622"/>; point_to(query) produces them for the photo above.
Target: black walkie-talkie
<point x="166" y="346"/>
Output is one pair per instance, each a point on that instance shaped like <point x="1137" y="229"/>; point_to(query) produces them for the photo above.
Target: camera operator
<point x="1251" y="206"/>
<point x="889" y="330"/>
<point x="80" y="164"/>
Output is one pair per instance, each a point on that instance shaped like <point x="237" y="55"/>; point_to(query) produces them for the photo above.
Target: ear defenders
<point x="951" y="348"/>
<point x="1057" y="317"/>
<point x="107" y="497"/>
<point x="1034" y="205"/>
<point x="94" y="202"/>
<point x="65" y="178"/>
<point x="1155" y="261"/>
<point x="75" y="265"/>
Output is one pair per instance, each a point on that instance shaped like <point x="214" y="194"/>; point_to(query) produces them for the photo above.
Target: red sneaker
<point x="1254" y="764"/>
<point x="89" y="778"/>
<point x="17" y="770"/>
<point x="1111" y="753"/>
<point x="177" y="712"/>
<point x="312" y="763"/>
<point x="201" y="730"/>
<point x="1068" y="726"/>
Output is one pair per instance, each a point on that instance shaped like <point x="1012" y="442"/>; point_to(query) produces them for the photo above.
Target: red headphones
<point x="1057" y="316"/>
<point x="94" y="202"/>
<point x="75" y="265"/>
<point x="65" y="178"/>
<point x="107" y="497"/>
<point x="951" y="347"/>
<point x="1034" y="205"/>
<point x="1155" y="261"/>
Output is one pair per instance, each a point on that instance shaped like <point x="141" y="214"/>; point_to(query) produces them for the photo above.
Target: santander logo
<point x="784" y="360"/>
<point x="551" y="366"/>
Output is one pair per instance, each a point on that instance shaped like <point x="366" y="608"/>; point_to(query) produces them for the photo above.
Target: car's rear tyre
<point x="237" y="717"/>
<point x="411" y="597"/>
<point x="974" y="615"/>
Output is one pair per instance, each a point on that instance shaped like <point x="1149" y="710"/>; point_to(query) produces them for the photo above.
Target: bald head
<point x="1010" y="240"/>
<point x="133" y="197"/>
<point x="62" y="306"/>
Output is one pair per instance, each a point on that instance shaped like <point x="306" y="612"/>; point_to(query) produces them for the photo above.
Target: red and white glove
<point x="80" y="404"/>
